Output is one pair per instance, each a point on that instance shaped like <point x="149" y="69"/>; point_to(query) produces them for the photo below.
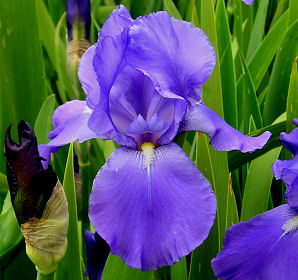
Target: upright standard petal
<point x="108" y="62"/>
<point x="222" y="136"/>
<point x="116" y="22"/>
<point x="263" y="248"/>
<point x="88" y="78"/>
<point x="176" y="55"/>
<point x="152" y="206"/>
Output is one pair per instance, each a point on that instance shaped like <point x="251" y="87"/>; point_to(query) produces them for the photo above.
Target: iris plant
<point x="265" y="247"/>
<point x="143" y="81"/>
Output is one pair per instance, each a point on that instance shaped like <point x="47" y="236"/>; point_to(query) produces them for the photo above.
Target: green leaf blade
<point x="70" y="266"/>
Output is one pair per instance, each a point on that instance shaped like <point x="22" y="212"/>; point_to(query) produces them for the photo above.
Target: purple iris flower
<point x="143" y="81"/>
<point x="265" y="247"/>
<point x="97" y="254"/>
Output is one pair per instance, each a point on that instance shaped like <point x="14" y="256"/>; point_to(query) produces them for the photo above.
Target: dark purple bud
<point x="78" y="19"/>
<point x="97" y="254"/>
<point x="30" y="184"/>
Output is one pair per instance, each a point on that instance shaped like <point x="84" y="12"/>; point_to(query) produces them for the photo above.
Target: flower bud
<point x="78" y="19"/>
<point x="78" y="29"/>
<point x="97" y="254"/>
<point x="38" y="199"/>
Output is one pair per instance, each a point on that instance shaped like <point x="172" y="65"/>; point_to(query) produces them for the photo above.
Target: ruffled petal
<point x="97" y="254"/>
<point x="153" y="209"/>
<point x="287" y="170"/>
<point x="88" y="78"/>
<point x="290" y="141"/>
<point x="70" y="122"/>
<point x="108" y="62"/>
<point x="176" y="55"/>
<point x="263" y="248"/>
<point x="222" y="136"/>
<point x="116" y="22"/>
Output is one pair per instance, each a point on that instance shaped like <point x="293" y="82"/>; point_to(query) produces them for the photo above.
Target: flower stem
<point x="45" y="277"/>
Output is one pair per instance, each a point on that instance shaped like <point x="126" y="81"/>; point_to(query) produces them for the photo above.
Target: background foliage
<point x="254" y="86"/>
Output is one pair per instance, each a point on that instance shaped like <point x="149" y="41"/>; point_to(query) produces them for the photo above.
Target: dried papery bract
<point x="43" y="246"/>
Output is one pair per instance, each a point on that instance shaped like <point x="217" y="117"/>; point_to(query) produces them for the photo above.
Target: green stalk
<point x="45" y="277"/>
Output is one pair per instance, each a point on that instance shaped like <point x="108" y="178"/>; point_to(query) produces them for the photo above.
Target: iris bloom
<point x="265" y="247"/>
<point x="143" y="81"/>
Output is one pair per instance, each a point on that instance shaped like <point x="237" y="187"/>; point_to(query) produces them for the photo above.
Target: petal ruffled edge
<point x="152" y="209"/>
<point x="116" y="22"/>
<point x="290" y="141"/>
<point x="176" y="55"/>
<point x="88" y="78"/>
<point x="108" y="61"/>
<point x="251" y="247"/>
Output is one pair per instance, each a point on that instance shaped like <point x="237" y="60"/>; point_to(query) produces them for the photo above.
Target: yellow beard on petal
<point x="148" y="152"/>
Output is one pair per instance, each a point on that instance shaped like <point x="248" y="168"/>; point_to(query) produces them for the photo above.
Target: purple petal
<point x="134" y="94"/>
<point x="101" y="122"/>
<point x="45" y="152"/>
<point x="290" y="141"/>
<point x="108" y="60"/>
<point x="287" y="170"/>
<point x="116" y="22"/>
<point x="97" y="254"/>
<point x="108" y="63"/>
<point x="88" y="77"/>
<point x="176" y="55"/>
<point x="70" y="122"/>
<point x="222" y="136"/>
<point x="263" y="248"/>
<point x="248" y="2"/>
<point x="140" y="126"/>
<point x="151" y="210"/>
<point x="179" y="112"/>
